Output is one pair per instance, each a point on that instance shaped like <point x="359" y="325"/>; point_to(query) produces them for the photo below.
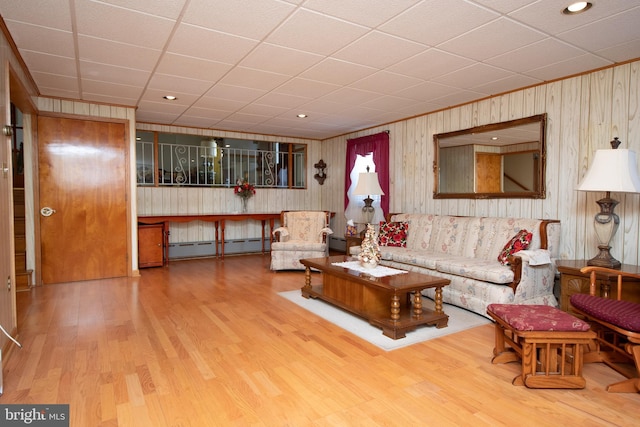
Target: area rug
<point x="459" y="320"/>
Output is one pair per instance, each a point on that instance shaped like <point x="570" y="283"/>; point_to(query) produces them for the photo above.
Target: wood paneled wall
<point x="201" y="200"/>
<point x="583" y="114"/>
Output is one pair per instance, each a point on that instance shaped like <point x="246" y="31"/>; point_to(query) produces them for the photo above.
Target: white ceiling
<point x="253" y="65"/>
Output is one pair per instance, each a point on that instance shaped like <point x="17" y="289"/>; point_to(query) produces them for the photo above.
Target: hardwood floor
<point x="210" y="343"/>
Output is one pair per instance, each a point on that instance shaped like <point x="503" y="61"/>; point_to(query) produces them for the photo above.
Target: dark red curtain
<point x="378" y="144"/>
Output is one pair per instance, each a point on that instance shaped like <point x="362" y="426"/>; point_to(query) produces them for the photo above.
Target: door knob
<point x="47" y="211"/>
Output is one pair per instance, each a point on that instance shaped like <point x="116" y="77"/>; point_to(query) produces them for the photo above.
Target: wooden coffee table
<point x="385" y="302"/>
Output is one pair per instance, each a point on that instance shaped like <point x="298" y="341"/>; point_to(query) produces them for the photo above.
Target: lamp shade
<point x="368" y="185"/>
<point x="612" y="170"/>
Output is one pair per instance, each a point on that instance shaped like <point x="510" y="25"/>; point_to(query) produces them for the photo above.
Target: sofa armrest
<point x="530" y="282"/>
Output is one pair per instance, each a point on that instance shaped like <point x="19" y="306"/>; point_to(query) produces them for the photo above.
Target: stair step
<point x="23" y="280"/>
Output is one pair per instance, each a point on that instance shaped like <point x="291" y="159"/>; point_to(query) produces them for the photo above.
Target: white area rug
<point x="459" y="320"/>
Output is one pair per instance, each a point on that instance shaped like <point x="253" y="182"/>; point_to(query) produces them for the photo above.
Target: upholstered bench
<point x="546" y="340"/>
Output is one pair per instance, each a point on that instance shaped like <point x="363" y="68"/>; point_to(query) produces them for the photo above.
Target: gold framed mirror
<point x="499" y="160"/>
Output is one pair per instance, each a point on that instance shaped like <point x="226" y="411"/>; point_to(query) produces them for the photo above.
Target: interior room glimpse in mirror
<point x="498" y="160"/>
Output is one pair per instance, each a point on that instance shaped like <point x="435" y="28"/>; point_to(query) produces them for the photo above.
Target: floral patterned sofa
<point x="466" y="251"/>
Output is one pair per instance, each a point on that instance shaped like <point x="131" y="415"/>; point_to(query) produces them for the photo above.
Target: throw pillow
<point x="519" y="242"/>
<point x="393" y="234"/>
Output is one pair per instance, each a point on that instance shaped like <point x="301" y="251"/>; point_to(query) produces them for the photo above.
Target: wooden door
<point x="83" y="183"/>
<point x="488" y="173"/>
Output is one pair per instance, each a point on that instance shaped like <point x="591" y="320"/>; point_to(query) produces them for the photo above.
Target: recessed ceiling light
<point x="170" y="97"/>
<point x="494" y="138"/>
<point x="302" y="116"/>
<point x="577" y="7"/>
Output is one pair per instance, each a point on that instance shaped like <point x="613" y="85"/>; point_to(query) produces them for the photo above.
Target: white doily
<point x="378" y="271"/>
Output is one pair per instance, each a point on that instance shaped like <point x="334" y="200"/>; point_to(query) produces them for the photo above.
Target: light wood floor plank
<point x="209" y="342"/>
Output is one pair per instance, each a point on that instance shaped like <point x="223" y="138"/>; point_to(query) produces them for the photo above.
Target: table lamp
<point x="616" y="171"/>
<point x="368" y="185"/>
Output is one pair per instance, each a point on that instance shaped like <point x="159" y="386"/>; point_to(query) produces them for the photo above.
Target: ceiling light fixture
<point x="302" y="116"/>
<point x="577" y="7"/>
<point x="170" y="97"/>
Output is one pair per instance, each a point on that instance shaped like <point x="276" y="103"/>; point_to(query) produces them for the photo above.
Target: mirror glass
<point x="500" y="160"/>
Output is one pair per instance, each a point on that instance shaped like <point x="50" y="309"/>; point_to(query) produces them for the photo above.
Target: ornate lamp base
<point x="606" y="224"/>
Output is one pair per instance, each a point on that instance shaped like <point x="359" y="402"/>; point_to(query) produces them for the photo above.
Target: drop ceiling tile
<point x="255" y="79"/>
<point x="48" y="80"/>
<point x="107" y="98"/>
<point x="59" y="92"/>
<point x="52" y="64"/>
<point x="546" y="15"/>
<point x="379" y="50"/>
<point x="322" y="106"/>
<point x="425" y="91"/>
<point x="492" y="39"/>
<point x="254" y="19"/>
<point x="278" y="59"/>
<point x="306" y="88"/>
<point x="337" y="72"/>
<point x="386" y="82"/>
<point x="54" y="14"/>
<point x="210" y="45"/>
<point x="432" y="22"/>
<point x="177" y="85"/>
<point x="165" y="107"/>
<point x="263" y="110"/>
<point x="528" y="57"/>
<point x="41" y="39"/>
<point x="429" y="64"/>
<point x="568" y="67"/>
<point x="237" y="93"/>
<point x="281" y="100"/>
<point x="322" y="34"/>
<point x="153" y="117"/>
<point x="602" y="34"/>
<point x="390" y="103"/>
<point x="507" y="84"/>
<point x="192" y="68"/>
<point x="119" y="54"/>
<point x="473" y="75"/>
<point x="622" y="52"/>
<point x="350" y="96"/>
<point x="111" y="89"/>
<point x="247" y="118"/>
<point x="212" y="114"/>
<point x="196" y="122"/>
<point x="377" y="11"/>
<point x="101" y="20"/>
<point x="113" y="74"/>
<point x="211" y="103"/>
<point x="166" y="8"/>
<point x="503" y="6"/>
<point x="157" y="95"/>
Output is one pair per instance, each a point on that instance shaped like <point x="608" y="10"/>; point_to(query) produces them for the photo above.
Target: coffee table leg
<point x="439" y="300"/>
<point x="395" y="308"/>
<point x="307" y="282"/>
<point x="417" y="304"/>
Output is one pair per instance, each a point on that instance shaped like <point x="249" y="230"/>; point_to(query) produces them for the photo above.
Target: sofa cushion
<point x="454" y="235"/>
<point x="421" y="228"/>
<point x="480" y="269"/>
<point x="393" y="234"/>
<point x="496" y="232"/>
<point x="517" y="243"/>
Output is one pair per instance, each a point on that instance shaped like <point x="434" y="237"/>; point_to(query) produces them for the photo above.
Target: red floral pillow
<point x="393" y="234"/>
<point x="519" y="242"/>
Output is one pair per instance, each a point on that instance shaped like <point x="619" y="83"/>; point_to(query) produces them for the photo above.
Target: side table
<point x="572" y="281"/>
<point x="352" y="241"/>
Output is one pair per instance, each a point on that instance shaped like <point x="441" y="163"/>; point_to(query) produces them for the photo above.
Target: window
<point x="356" y="202"/>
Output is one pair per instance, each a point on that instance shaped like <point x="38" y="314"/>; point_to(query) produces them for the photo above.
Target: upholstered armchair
<point x="617" y="324"/>
<point x="302" y="234"/>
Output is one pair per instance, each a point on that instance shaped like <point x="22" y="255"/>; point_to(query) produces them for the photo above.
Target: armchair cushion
<point x="620" y="313"/>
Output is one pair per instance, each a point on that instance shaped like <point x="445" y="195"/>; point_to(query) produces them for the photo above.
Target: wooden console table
<point x="572" y="281"/>
<point x="218" y="220"/>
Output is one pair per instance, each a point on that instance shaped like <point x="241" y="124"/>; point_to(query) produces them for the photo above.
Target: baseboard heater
<point x="208" y="249"/>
